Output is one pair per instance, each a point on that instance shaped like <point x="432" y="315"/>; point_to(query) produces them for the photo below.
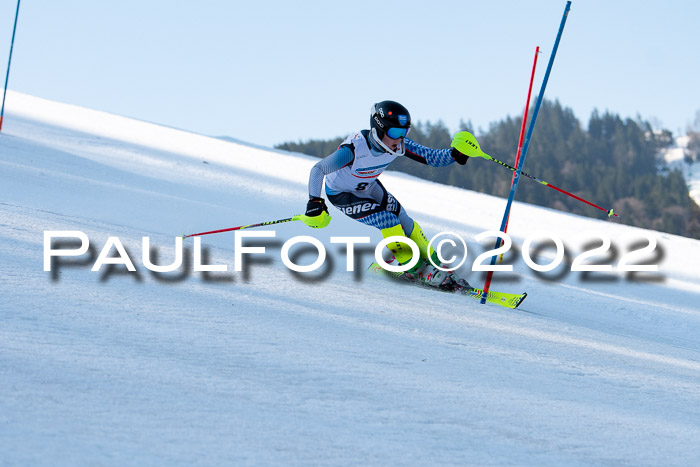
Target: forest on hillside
<point x="614" y="163"/>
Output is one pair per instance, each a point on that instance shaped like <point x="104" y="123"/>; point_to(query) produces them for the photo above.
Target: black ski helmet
<point x="389" y="114"/>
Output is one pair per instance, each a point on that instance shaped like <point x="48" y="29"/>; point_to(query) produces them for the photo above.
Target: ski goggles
<point x="396" y="133"/>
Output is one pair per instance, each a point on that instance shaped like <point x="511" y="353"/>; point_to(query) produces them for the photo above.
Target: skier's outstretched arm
<point x="433" y="157"/>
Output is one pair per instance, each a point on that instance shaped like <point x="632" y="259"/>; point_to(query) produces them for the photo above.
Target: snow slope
<point x="674" y="156"/>
<point x="267" y="367"/>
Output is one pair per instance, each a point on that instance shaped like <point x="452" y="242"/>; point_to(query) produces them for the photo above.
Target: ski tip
<point x="522" y="298"/>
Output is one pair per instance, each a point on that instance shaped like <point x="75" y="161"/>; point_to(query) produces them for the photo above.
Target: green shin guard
<point x="426" y="251"/>
<point x="402" y="252"/>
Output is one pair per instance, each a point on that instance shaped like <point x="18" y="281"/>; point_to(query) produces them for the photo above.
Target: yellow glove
<point x="316" y="213"/>
<point x="466" y="144"/>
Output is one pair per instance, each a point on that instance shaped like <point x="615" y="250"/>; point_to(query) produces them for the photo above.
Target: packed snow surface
<point x="270" y="367"/>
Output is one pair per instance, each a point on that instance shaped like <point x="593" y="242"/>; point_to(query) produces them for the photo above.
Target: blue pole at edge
<point x="530" y="129"/>
<point x="9" y="61"/>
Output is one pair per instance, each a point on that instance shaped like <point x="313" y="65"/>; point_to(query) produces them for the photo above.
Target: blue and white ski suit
<point x="352" y="186"/>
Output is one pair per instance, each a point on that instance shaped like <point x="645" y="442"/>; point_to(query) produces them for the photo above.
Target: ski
<point x="508" y="300"/>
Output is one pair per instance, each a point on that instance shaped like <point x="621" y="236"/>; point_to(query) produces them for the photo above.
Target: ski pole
<point x="610" y="212"/>
<point x="298" y="217"/>
<point x="475" y="151"/>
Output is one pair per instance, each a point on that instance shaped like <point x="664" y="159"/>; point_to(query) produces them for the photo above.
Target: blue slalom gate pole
<point x="530" y="129"/>
<point x="9" y="60"/>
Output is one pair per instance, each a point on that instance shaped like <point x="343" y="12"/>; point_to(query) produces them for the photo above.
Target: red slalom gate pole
<point x="489" y="274"/>
<point x="523" y="126"/>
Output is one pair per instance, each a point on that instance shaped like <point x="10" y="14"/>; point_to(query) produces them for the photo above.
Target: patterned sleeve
<point x="340" y="158"/>
<point x="432" y="157"/>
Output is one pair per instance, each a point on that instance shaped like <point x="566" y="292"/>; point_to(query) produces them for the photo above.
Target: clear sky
<point x="273" y="71"/>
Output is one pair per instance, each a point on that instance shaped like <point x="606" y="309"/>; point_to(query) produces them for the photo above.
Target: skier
<point x="353" y="187"/>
